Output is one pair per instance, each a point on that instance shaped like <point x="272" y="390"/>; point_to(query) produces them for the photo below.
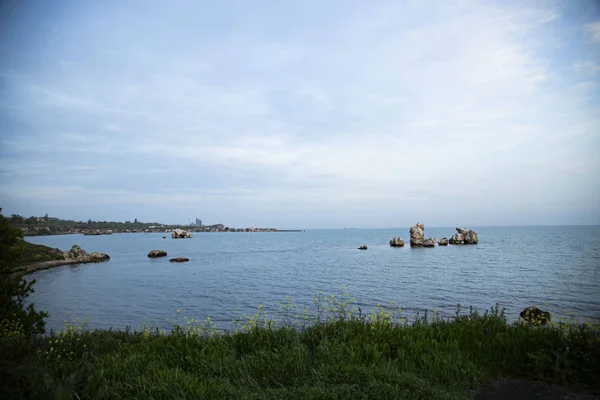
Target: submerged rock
<point x="417" y="235"/>
<point x="363" y="247"/>
<point x="429" y="242"/>
<point x="443" y="241"/>
<point x="534" y="315"/>
<point x="157" y="253"/>
<point x="179" y="259"/>
<point x="396" y="242"/>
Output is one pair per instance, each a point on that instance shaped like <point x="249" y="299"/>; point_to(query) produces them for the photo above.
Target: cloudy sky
<point x="302" y="114"/>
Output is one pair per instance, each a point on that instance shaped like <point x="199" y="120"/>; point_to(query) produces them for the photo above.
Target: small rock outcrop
<point x="417" y="235"/>
<point x="464" y="236"/>
<point x="180" y="234"/>
<point x="396" y="242"/>
<point x="534" y="315"/>
<point x="429" y="242"/>
<point x="179" y="259"/>
<point x="443" y="241"/>
<point x="78" y="254"/>
<point x="471" y="238"/>
<point x="164" y="237"/>
<point x="157" y="253"/>
<point x="363" y="247"/>
<point x="75" y="252"/>
<point x="457" y="238"/>
<point x="98" y="257"/>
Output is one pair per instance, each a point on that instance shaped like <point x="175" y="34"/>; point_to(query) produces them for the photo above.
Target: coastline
<point x="40" y="266"/>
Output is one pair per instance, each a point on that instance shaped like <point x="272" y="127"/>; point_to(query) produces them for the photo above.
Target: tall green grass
<point x="330" y="350"/>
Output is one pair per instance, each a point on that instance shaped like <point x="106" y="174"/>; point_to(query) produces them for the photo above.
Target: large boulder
<point x="417" y="235"/>
<point x="179" y="234"/>
<point x="396" y="242"/>
<point x="443" y="241"/>
<point x="457" y="238"/>
<point x="534" y="315"/>
<point x="97" y="257"/>
<point x="429" y="242"/>
<point x="157" y="253"/>
<point x="75" y="252"/>
<point x="471" y="238"/>
<point x="179" y="259"/>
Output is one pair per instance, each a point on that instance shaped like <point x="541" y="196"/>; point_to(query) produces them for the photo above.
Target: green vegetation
<point x="330" y="350"/>
<point x="29" y="253"/>
<point x="16" y="321"/>
<point x="378" y="355"/>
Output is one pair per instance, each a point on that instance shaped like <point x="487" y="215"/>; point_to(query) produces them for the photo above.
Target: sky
<point x="302" y="114"/>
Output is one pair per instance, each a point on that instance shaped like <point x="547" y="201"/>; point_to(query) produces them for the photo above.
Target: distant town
<point x="46" y="225"/>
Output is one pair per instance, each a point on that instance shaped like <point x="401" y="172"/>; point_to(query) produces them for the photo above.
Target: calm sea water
<point x="557" y="268"/>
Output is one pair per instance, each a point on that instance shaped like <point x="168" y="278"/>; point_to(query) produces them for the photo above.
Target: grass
<point x="327" y="352"/>
<point x="29" y="253"/>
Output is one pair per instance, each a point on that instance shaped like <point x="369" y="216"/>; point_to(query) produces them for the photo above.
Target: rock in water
<point x="466" y="236"/>
<point x="417" y="235"/>
<point x="534" y="315"/>
<point x="457" y="238"/>
<point x="429" y="242"/>
<point x="157" y="253"/>
<point x="363" y="247"/>
<point x="396" y="242"/>
<point x="179" y="234"/>
<point x="462" y="231"/>
<point x="443" y="242"/>
<point x="75" y="252"/>
<point x="97" y="257"/>
<point x="471" y="238"/>
<point x="179" y="259"/>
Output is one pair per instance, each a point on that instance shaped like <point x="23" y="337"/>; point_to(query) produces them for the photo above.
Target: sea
<point x="230" y="274"/>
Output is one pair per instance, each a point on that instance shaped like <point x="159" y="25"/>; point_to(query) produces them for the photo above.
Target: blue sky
<point x="302" y="114"/>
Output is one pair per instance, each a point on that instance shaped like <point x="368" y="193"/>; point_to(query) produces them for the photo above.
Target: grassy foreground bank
<point x="369" y="356"/>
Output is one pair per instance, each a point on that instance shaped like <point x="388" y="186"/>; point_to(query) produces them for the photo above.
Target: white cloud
<point x="594" y="30"/>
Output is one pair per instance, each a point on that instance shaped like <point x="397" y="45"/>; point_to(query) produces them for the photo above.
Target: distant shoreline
<point x="117" y="233"/>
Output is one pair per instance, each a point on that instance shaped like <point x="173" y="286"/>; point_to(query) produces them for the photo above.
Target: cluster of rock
<point x="162" y="253"/>
<point x="397" y="242"/>
<point x="464" y="236"/>
<point x="363" y="247"/>
<point x="78" y="254"/>
<point x="180" y="234"/>
<point x="417" y="238"/>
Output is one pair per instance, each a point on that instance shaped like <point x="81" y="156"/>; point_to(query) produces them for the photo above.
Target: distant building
<point x="198" y="222"/>
<point x="135" y="221"/>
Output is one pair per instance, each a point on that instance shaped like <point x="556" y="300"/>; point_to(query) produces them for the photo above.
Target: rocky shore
<point x="76" y="255"/>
